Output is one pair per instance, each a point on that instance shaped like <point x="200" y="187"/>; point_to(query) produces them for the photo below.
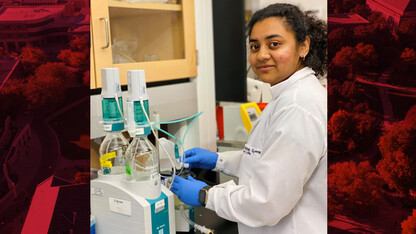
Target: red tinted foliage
<point x="74" y="58"/>
<point x="349" y="59"/>
<point x="409" y="225"/>
<point x="363" y="32"/>
<point x="78" y="56"/>
<point x="78" y="59"/>
<point x="350" y="131"/>
<point x="407" y="27"/>
<point x="13" y="87"/>
<point x="82" y="178"/>
<point x="337" y="7"/>
<point x="12" y="100"/>
<point x="411" y="115"/>
<point x="406" y="67"/>
<point x="358" y="188"/>
<point x="377" y="20"/>
<point x="340" y="126"/>
<point x="32" y="58"/>
<point x="86" y="78"/>
<point x="366" y="55"/>
<point x="407" y="32"/>
<point x="80" y="44"/>
<point x="46" y="89"/>
<point x="55" y="70"/>
<point x="64" y="55"/>
<point x="348" y="89"/>
<point x="345" y="58"/>
<point x="398" y="150"/>
<point x="336" y="39"/>
<point x="408" y="55"/>
<point x="361" y="9"/>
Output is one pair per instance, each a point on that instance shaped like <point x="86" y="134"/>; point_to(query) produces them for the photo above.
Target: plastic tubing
<point x="176" y="139"/>
<point x="179" y="120"/>
<point x="119" y="109"/>
<point x="201" y="228"/>
<point x="153" y="131"/>
<point x="190" y="124"/>
<point x="183" y="138"/>
<point x="193" y="117"/>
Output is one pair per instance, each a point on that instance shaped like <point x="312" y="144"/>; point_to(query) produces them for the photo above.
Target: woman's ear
<point x="304" y="47"/>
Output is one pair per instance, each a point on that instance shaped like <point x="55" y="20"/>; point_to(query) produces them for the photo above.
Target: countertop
<point x="211" y="220"/>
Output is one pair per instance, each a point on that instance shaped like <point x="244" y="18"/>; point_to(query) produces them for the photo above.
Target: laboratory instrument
<point x="113" y="148"/>
<point x="142" y="157"/>
<point x="250" y="113"/>
<point x="136" y="202"/>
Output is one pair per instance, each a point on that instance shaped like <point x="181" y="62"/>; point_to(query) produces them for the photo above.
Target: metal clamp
<point x="107" y="36"/>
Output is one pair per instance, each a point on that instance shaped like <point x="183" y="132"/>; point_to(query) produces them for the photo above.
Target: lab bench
<point x="211" y="220"/>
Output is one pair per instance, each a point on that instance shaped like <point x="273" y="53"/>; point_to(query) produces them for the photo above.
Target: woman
<point x="282" y="169"/>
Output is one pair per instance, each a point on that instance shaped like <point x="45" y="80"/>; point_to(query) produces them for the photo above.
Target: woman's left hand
<point x="187" y="190"/>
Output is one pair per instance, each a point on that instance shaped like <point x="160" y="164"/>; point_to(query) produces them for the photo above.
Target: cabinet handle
<point x="107" y="36"/>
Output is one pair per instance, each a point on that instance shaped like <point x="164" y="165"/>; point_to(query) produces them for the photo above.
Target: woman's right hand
<point x="201" y="158"/>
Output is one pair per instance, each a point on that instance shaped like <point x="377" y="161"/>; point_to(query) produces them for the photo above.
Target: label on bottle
<point x="107" y="127"/>
<point x="120" y="206"/>
<point x="139" y="131"/>
<point x="104" y="159"/>
<point x="154" y="175"/>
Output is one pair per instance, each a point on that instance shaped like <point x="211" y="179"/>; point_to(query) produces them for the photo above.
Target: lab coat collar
<point x="293" y="79"/>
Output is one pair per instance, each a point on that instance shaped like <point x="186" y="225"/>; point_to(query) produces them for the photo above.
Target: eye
<point x="274" y="44"/>
<point x="254" y="47"/>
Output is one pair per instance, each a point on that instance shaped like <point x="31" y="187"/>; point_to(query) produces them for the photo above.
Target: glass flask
<point x="113" y="153"/>
<point x="142" y="160"/>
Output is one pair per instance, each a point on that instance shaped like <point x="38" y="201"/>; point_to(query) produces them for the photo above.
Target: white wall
<point x="205" y="81"/>
<point x="319" y="5"/>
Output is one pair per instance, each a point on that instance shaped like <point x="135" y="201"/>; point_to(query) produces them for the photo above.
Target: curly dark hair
<point x="302" y="25"/>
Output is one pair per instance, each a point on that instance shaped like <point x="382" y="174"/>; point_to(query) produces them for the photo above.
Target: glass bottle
<point x="113" y="153"/>
<point x="142" y="160"/>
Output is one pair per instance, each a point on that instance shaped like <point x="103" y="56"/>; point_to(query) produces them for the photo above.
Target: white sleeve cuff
<point x="220" y="162"/>
<point x="229" y="162"/>
<point x="210" y="202"/>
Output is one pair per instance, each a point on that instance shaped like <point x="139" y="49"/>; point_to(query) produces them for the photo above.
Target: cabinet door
<point x="156" y="37"/>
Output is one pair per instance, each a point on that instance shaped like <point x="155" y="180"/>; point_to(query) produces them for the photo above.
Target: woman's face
<point x="274" y="54"/>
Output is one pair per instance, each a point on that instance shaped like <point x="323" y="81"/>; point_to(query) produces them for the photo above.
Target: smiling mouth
<point x="265" y="67"/>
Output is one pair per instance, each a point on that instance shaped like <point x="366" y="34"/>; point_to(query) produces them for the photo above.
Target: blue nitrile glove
<point x="201" y="158"/>
<point x="187" y="190"/>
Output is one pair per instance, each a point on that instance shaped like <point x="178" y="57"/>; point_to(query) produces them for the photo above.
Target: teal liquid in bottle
<point x="139" y="116"/>
<point x="110" y="109"/>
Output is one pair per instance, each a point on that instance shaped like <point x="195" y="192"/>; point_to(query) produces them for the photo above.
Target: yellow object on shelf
<point x="249" y="114"/>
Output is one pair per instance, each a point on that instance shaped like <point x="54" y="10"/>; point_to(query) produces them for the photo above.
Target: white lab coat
<point x="283" y="168"/>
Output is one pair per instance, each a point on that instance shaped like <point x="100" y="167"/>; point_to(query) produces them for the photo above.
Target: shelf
<point x="145" y="5"/>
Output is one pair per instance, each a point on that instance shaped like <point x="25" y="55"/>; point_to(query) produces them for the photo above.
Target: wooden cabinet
<point x="156" y="37"/>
